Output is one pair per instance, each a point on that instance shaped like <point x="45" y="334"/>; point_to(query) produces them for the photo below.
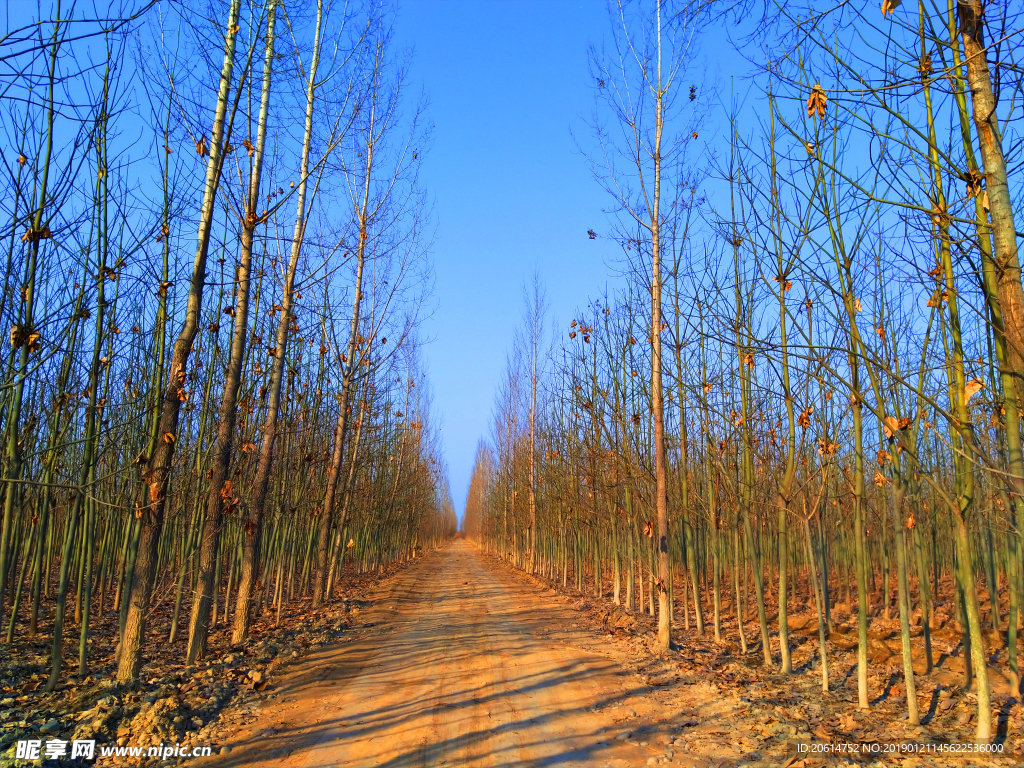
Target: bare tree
<point x="153" y="490"/>
<point x="637" y="87"/>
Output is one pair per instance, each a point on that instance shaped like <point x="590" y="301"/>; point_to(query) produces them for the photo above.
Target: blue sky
<point x="508" y="86"/>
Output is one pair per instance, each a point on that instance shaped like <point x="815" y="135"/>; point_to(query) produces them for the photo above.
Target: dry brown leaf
<point x="804" y="420"/>
<point x="35" y="235"/>
<point x="817" y="101"/>
<point x="973" y="387"/>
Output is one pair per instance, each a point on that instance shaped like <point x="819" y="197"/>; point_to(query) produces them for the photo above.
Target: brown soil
<point x="170" y="704"/>
<point x="459" y="660"/>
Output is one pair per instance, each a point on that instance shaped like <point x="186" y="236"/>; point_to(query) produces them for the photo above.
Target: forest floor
<point x="171" y="704"/>
<point x="457" y="659"/>
<point x="460" y="660"/>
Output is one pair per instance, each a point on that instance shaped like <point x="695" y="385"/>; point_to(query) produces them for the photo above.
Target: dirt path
<point x="456" y="664"/>
<point x="458" y="660"/>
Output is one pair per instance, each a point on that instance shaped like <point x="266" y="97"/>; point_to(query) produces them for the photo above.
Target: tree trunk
<point x="152" y="494"/>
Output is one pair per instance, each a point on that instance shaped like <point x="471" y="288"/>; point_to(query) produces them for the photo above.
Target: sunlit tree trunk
<point x="153" y="493"/>
<point x="222" y="493"/>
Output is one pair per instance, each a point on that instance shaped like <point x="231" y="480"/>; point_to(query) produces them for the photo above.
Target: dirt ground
<point x="458" y="660"/>
<point x="454" y="664"/>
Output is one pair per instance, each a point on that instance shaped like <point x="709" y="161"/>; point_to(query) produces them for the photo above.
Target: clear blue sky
<point x="509" y="88"/>
<point x="507" y="83"/>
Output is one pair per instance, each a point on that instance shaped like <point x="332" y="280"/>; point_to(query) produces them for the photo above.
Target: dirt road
<point x="460" y="664"/>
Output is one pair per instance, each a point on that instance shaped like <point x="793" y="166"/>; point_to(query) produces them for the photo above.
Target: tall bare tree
<point x="153" y="491"/>
<point x="222" y="494"/>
